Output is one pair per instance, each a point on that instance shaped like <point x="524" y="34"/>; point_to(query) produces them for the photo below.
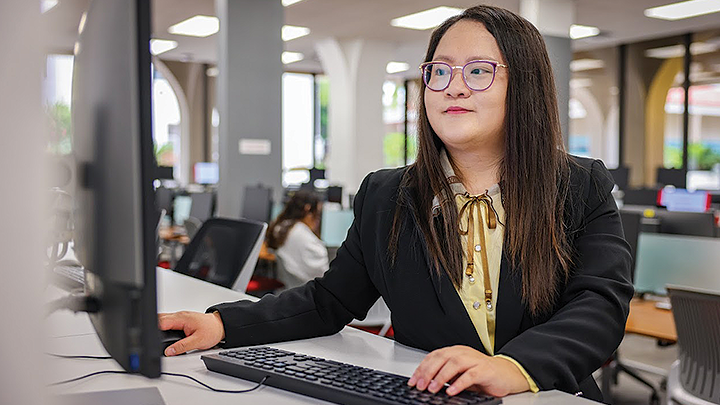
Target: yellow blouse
<point x="482" y="220"/>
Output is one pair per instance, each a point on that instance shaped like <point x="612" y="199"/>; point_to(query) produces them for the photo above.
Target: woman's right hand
<point x="202" y="331"/>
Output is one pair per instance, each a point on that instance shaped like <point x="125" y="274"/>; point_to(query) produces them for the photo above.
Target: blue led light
<point x="134" y="362"/>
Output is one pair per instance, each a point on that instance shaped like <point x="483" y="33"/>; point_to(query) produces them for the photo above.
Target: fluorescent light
<point x="583" y="31"/>
<point x="290" y="57"/>
<point x="158" y="46"/>
<point x="290" y="32"/>
<point x="579" y="65"/>
<point x="81" y="26"/>
<point x="290" y="2"/>
<point x="212" y="72"/>
<point x="197" y="26"/>
<point x="426" y="19"/>
<point x="678" y="51"/>
<point x="396" y="67"/>
<point x="47" y="5"/>
<point x="684" y="9"/>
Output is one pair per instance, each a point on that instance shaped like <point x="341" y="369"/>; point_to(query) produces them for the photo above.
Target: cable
<point x="163" y="373"/>
<point x="64" y="356"/>
<point x="216" y="389"/>
<point x="87" y="376"/>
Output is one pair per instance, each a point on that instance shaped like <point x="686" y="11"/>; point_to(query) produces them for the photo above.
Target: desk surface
<point x="73" y="334"/>
<point x="648" y="320"/>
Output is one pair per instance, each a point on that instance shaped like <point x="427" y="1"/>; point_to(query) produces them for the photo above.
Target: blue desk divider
<point x="663" y="259"/>
<point x="335" y="225"/>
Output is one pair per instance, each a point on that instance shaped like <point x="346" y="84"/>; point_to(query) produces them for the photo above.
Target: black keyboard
<point x="68" y="276"/>
<point x="329" y="380"/>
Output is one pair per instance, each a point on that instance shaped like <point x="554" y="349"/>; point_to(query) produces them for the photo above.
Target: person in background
<point x="294" y="237"/>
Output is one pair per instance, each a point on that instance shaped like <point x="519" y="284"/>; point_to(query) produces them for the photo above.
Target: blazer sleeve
<point x="321" y="307"/>
<point x="589" y="321"/>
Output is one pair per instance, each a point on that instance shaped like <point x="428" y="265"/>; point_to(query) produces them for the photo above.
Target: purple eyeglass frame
<point x="493" y="63"/>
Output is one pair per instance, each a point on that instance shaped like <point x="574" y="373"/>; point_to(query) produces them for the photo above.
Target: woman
<point x="293" y="235"/>
<point x="495" y="250"/>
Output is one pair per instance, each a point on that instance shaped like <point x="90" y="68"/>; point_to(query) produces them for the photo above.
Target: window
<point x="400" y="115"/>
<point x="593" y="105"/>
<point x="393" y="100"/>
<point x="57" y="95"/>
<point x="166" y="122"/>
<point x="298" y="127"/>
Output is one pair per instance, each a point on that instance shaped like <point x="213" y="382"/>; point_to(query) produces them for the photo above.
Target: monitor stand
<point x="135" y="396"/>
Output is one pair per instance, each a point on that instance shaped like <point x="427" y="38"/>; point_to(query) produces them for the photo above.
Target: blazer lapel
<point x="510" y="308"/>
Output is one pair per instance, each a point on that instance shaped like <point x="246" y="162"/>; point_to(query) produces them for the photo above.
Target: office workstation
<point x="184" y="160"/>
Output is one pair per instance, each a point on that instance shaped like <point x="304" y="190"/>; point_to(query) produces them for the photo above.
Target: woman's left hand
<point x="467" y="368"/>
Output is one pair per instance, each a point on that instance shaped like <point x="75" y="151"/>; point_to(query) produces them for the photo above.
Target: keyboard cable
<point x="162" y="373"/>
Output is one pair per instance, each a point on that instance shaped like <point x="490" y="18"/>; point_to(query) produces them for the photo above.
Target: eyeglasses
<point x="478" y="75"/>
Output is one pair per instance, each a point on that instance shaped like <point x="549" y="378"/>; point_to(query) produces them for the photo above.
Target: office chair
<point x="695" y="377"/>
<point x="224" y="252"/>
<point x="613" y="366"/>
<point x="192" y="225"/>
<point x="377" y="316"/>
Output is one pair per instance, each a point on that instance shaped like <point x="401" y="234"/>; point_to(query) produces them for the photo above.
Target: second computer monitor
<point x="671" y="177"/>
<point x="202" y="206"/>
<point x="206" y="173"/>
<point x="257" y="203"/>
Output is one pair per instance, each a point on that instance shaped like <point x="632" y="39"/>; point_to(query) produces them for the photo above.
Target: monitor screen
<point x="181" y="208"/>
<point x="206" y="173"/>
<point x="202" y="206"/>
<point x="114" y="209"/>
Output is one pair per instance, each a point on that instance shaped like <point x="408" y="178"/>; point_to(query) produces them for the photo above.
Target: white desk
<point x="73" y="335"/>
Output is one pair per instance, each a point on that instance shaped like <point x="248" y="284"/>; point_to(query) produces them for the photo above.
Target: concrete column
<point x="249" y="99"/>
<point x="553" y="19"/>
<point x="356" y="69"/>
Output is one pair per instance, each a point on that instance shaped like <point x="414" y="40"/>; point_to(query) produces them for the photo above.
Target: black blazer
<point x="559" y="351"/>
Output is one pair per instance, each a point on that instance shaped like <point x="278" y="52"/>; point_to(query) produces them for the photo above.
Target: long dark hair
<point x="293" y="212"/>
<point x="534" y="172"/>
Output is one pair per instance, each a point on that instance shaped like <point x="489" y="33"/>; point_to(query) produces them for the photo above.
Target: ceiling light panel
<point x="197" y="26"/>
<point x="290" y="32"/>
<point x="427" y="19"/>
<point x="684" y="9"/>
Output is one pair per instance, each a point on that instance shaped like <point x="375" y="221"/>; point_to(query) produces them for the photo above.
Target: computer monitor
<point x="114" y="209"/>
<point x="687" y="223"/>
<point x="676" y="259"/>
<point x="257" y="203"/>
<point x="164" y="198"/>
<point x="671" y="177"/>
<point x="206" y="173"/>
<point x="631" y="227"/>
<point x="181" y="208"/>
<point x="641" y="196"/>
<point x="334" y="194"/>
<point x="164" y="173"/>
<point x="620" y="176"/>
<point x="202" y="205"/>
<point x="334" y="226"/>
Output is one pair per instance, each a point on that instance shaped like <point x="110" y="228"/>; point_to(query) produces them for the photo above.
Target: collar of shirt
<point x="456" y="185"/>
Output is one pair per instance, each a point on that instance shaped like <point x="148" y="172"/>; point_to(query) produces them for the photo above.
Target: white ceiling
<point x="620" y="21"/>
